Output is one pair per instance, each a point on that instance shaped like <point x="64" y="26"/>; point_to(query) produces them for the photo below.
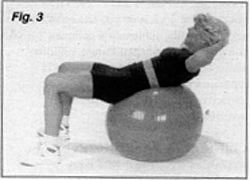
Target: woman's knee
<point x="51" y="81"/>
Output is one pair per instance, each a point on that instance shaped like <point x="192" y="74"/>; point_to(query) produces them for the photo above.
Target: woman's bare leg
<point x="59" y="89"/>
<point x="72" y="67"/>
<point x="71" y="85"/>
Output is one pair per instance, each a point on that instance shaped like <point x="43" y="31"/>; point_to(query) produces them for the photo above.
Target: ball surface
<point x="155" y="124"/>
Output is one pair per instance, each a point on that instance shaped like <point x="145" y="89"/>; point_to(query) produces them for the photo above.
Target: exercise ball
<point x="155" y="125"/>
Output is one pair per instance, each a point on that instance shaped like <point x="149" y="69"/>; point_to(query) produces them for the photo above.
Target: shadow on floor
<point x="206" y="147"/>
<point x="91" y="148"/>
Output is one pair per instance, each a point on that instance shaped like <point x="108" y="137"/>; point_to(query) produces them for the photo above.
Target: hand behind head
<point x="206" y="32"/>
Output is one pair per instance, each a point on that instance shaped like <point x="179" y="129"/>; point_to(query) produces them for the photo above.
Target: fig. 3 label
<point x="25" y="18"/>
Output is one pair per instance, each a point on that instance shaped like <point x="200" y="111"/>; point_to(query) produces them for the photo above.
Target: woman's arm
<point x="204" y="56"/>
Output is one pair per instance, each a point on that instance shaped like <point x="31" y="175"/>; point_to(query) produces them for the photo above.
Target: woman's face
<point x="194" y="40"/>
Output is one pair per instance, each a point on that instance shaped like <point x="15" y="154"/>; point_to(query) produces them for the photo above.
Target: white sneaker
<point x="47" y="153"/>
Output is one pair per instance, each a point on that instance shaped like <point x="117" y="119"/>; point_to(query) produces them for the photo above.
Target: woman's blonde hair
<point x="211" y="29"/>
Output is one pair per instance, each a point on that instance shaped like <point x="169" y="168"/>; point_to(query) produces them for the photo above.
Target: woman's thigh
<point x="73" y="84"/>
<point x="75" y="67"/>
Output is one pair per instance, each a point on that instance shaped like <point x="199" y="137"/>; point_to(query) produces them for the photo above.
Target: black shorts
<point x="115" y="84"/>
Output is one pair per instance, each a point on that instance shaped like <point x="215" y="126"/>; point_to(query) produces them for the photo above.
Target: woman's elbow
<point x="192" y="68"/>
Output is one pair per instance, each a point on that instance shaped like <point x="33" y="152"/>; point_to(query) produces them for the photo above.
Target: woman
<point x="174" y="66"/>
